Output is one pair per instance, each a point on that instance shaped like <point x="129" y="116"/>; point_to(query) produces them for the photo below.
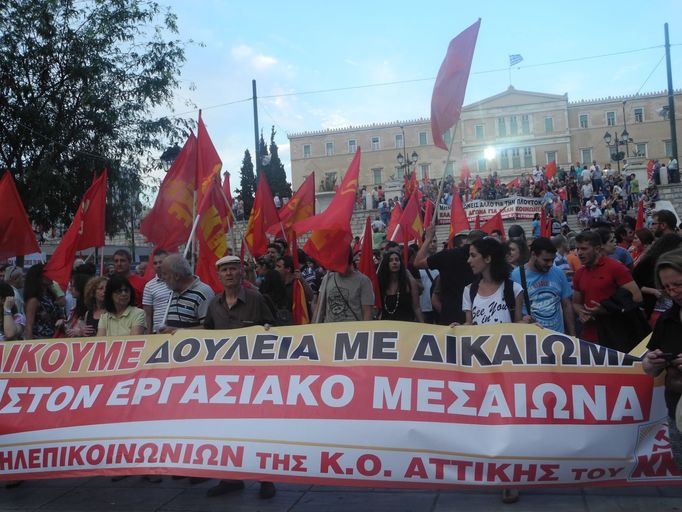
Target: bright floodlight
<point x="489" y="153"/>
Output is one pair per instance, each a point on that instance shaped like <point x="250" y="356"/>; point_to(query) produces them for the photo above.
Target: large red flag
<point x="366" y="265"/>
<point x="494" y="223"/>
<point x="428" y="213"/>
<point x="476" y="188"/>
<point x="393" y="221"/>
<point x="211" y="234"/>
<point x="86" y="230"/>
<point x="451" y="84"/>
<point x="169" y="222"/>
<point x="299" y="308"/>
<point x="550" y="170"/>
<point x="465" y="173"/>
<point x="329" y="243"/>
<point x="208" y="161"/>
<point x="16" y="236"/>
<point x="263" y="215"/>
<point x="458" y="217"/>
<point x="410" y="221"/>
<point x="516" y="182"/>
<point x="640" y="216"/>
<point x="300" y="207"/>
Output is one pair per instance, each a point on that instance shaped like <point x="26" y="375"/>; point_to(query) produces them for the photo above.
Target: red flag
<point x="458" y="217"/>
<point x="543" y="222"/>
<point x="86" y="230"/>
<point x="393" y="221"/>
<point x="411" y="220"/>
<point x="300" y="207"/>
<point x="366" y="265"/>
<point x="226" y="187"/>
<point x="465" y="173"/>
<point x="299" y="308"/>
<point x="550" y="170"/>
<point x="477" y="222"/>
<point x="208" y="161"/>
<point x="451" y="84"/>
<point x="478" y="185"/>
<point x="406" y="249"/>
<point x="428" y="214"/>
<point x="516" y="182"/>
<point x="211" y="231"/>
<point x="494" y="224"/>
<point x="329" y="243"/>
<point x="169" y="222"/>
<point x="640" y="216"/>
<point x="16" y="235"/>
<point x="263" y="215"/>
<point x="650" y="171"/>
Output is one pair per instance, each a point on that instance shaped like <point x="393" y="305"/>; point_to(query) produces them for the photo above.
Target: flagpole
<point x="101" y="262"/>
<point x="234" y="218"/>
<point x="442" y="181"/>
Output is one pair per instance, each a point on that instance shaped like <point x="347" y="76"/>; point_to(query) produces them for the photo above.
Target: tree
<point x="277" y="178"/>
<point x="80" y="82"/>
<point x="248" y="183"/>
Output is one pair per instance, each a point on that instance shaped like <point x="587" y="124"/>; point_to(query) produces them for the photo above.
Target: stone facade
<point x="524" y="128"/>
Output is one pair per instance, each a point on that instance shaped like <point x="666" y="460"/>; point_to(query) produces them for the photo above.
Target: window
<point x="516" y="158"/>
<point x="422" y="139"/>
<point x="377" y="175"/>
<point x="668" y="148"/>
<point x="639" y="115"/>
<point x="447" y="137"/>
<point x="527" y="157"/>
<point x="352" y="146"/>
<point x="513" y="126"/>
<point x="583" y="120"/>
<point x="525" y="124"/>
<point x="399" y="141"/>
<point x="480" y="132"/>
<point x="482" y="165"/>
<point x="549" y="124"/>
<point x="611" y="119"/>
<point x="329" y="149"/>
<point x="586" y="156"/>
<point x="501" y="127"/>
<point x="424" y="171"/>
<point x="306" y="150"/>
<point x="550" y="156"/>
<point x="375" y="144"/>
<point x="330" y="181"/>
<point x="640" y="149"/>
<point x="448" y="169"/>
<point x="504" y="159"/>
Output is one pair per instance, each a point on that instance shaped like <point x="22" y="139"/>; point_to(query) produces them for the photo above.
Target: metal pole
<point x="255" y="126"/>
<point x="671" y="97"/>
<point x="625" y="128"/>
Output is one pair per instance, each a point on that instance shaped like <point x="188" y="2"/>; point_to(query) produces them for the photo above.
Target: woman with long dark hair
<point x="399" y="297"/>
<point x="517" y="252"/>
<point x="76" y="325"/>
<point x="640" y="244"/>
<point x="122" y="318"/>
<point x="94" y="300"/>
<point x="42" y="311"/>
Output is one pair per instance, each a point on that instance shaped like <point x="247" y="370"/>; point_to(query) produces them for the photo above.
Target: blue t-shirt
<point x="622" y="255"/>
<point x="536" y="228"/>
<point x="546" y="291"/>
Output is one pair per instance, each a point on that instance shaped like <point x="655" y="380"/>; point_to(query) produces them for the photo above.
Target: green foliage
<point x="248" y="183"/>
<point x="80" y="81"/>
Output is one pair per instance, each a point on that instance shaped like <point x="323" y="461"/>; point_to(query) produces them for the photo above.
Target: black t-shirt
<point x="667" y="336"/>
<point x="455" y="274"/>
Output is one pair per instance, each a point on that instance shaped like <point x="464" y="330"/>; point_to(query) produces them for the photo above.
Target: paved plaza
<point x="136" y="495"/>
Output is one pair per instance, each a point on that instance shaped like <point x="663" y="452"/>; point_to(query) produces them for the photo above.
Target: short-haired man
<point x="345" y="296"/>
<point x="190" y="297"/>
<point x="612" y="250"/>
<point x="235" y="308"/>
<point x="155" y="296"/>
<point x="285" y="267"/>
<point x="596" y="281"/>
<point x="663" y="222"/>
<point x="122" y="261"/>
<point x="549" y="292"/>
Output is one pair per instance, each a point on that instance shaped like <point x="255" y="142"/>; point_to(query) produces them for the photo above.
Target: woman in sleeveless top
<point x="399" y="297"/>
<point x="43" y="314"/>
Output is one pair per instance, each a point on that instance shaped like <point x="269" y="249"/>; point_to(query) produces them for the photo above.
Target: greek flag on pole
<point x="515" y="59"/>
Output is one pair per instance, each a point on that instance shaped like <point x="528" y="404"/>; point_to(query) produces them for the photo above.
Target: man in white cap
<point x="235" y="308"/>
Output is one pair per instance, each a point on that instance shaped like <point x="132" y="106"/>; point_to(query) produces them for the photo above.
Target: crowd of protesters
<point x="607" y="283"/>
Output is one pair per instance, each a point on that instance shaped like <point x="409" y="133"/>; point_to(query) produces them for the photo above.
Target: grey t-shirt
<point x="344" y="296"/>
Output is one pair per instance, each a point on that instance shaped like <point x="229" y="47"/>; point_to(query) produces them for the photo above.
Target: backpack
<point x="508" y="295"/>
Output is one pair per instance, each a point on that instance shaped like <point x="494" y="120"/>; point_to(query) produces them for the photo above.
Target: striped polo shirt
<point x="188" y="308"/>
<point x="156" y="294"/>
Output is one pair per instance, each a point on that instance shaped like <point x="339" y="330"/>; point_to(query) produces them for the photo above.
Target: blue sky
<point x="297" y="47"/>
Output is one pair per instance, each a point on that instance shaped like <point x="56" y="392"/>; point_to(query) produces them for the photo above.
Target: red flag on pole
<point x="465" y="173"/>
<point x="477" y="222"/>
<point x="393" y="221"/>
<point x="476" y="188"/>
<point x="299" y="308"/>
<point x="458" y="217"/>
<point x="169" y="222"/>
<point x="300" y="207"/>
<point x="16" y="235"/>
<point x="411" y="220"/>
<point x="494" y="224"/>
<point x="550" y="170"/>
<point x="329" y="243"/>
<point x="86" y="230"/>
<point x="516" y="182"/>
<point x="428" y="213"/>
<point x="543" y="222"/>
<point x="640" y="216"/>
<point x="263" y="215"/>
<point x="366" y="265"/>
<point x="212" y="228"/>
<point x="208" y="161"/>
<point x="451" y="84"/>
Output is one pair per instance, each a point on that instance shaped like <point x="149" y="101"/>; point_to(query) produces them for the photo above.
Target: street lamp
<point x="616" y="155"/>
<point x="405" y="162"/>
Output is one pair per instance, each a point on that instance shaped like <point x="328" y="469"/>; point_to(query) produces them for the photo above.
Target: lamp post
<point x="405" y="162"/>
<point x="616" y="155"/>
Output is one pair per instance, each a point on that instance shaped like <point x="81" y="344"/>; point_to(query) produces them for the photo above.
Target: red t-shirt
<point x="598" y="283"/>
